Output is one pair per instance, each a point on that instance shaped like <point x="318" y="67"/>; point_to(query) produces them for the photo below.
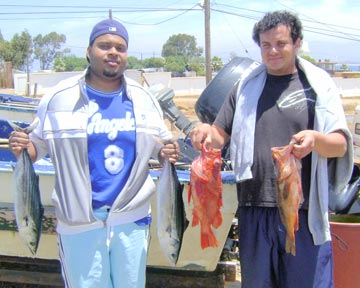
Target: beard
<point x="110" y="74"/>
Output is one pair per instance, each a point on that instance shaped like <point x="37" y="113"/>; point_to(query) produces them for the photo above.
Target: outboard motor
<point x="165" y="96"/>
<point x="213" y="96"/>
<point x="206" y="107"/>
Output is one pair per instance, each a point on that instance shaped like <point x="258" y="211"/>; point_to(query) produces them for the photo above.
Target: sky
<point x="331" y="27"/>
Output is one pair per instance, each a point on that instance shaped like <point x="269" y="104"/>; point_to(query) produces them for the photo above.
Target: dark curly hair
<point x="273" y="19"/>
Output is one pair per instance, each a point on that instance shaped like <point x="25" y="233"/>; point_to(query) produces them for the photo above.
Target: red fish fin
<point x="208" y="239"/>
<point x="196" y="219"/>
<point x="200" y="176"/>
<point x="290" y="246"/>
<point x="217" y="219"/>
<point x="189" y="192"/>
<point x="296" y="223"/>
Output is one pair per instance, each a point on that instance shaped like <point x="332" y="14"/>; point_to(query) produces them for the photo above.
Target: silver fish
<point x="171" y="217"/>
<point x="27" y="202"/>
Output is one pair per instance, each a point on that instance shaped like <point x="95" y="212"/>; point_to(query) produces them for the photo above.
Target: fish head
<point x="211" y="159"/>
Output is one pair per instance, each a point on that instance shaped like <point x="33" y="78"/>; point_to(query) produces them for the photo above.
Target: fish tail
<point x="290" y="245"/>
<point x="208" y="239"/>
<point x="27" y="129"/>
<point x="14" y="126"/>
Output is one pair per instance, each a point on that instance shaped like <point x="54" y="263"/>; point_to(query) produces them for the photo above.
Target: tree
<point x="198" y="65"/>
<point x="153" y="62"/>
<point x="47" y="48"/>
<point x="134" y="63"/>
<point x="70" y="63"/>
<point x="6" y="53"/>
<point x="344" y="67"/>
<point x="181" y="45"/>
<point x="21" y="50"/>
<point x="175" y="65"/>
<point x="216" y="63"/>
<point x="59" y="65"/>
<point x="180" y="51"/>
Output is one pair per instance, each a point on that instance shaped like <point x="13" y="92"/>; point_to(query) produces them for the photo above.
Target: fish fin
<point x="296" y="224"/>
<point x="32" y="126"/>
<point x="290" y="246"/>
<point x="14" y="126"/>
<point x="196" y="219"/>
<point x="217" y="220"/>
<point x="190" y="192"/>
<point x="27" y="129"/>
<point x="198" y="174"/>
<point x="208" y="239"/>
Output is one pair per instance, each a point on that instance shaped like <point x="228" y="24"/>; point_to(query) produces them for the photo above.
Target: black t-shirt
<point x="286" y="107"/>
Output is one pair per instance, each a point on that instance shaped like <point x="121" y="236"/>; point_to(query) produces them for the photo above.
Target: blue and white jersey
<point x="111" y="144"/>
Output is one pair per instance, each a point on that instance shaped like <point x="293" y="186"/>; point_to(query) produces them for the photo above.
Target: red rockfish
<point x="289" y="192"/>
<point x="206" y="193"/>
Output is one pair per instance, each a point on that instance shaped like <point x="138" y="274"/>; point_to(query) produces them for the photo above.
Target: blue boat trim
<point x="9" y="98"/>
<point x="44" y="167"/>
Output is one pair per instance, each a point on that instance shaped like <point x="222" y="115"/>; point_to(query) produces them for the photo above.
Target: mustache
<point x="113" y="59"/>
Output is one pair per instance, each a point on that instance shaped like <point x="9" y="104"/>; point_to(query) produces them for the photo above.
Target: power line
<point x="331" y="32"/>
<point x="310" y="29"/>
<point x="86" y="7"/>
<point x="118" y="9"/>
<point x="312" y="20"/>
<point x="166" y="20"/>
<point x="127" y="10"/>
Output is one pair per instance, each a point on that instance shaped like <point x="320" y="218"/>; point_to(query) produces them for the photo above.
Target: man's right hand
<point x="201" y="133"/>
<point x="18" y="141"/>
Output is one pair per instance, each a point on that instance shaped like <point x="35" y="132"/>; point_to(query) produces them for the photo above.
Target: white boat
<point x="18" y="108"/>
<point x="191" y="257"/>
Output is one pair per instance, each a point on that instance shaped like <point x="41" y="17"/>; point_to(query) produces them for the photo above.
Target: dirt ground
<point x="186" y="105"/>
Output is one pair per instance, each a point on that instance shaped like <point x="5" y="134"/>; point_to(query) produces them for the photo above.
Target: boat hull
<point x="191" y="255"/>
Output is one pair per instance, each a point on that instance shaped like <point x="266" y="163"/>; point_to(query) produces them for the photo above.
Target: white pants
<point x="110" y="257"/>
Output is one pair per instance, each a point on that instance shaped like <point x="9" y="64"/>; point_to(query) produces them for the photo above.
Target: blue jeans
<point x="263" y="260"/>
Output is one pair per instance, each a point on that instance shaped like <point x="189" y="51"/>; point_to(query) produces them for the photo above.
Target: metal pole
<point x="27" y="76"/>
<point x="208" y="69"/>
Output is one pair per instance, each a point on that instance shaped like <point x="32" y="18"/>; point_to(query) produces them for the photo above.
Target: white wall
<point x="188" y="85"/>
<point x="182" y="86"/>
<point x="43" y="81"/>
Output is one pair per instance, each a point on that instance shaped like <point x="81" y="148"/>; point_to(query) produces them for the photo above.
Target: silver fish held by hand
<point x="27" y="202"/>
<point x="171" y="217"/>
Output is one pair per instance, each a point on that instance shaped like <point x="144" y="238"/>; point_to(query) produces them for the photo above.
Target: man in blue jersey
<point x="100" y="130"/>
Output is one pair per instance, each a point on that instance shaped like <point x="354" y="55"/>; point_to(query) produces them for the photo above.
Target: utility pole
<point x="110" y="14"/>
<point x="27" y="76"/>
<point x="208" y="69"/>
